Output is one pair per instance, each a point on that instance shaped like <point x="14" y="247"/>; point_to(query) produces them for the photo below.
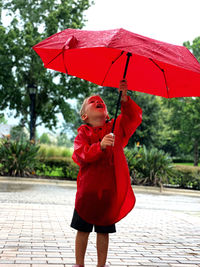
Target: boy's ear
<point x="84" y="117"/>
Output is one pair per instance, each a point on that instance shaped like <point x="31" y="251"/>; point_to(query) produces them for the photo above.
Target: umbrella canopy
<point x="100" y="57"/>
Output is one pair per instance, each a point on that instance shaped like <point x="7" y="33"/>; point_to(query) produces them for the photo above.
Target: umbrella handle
<point x="120" y="93"/>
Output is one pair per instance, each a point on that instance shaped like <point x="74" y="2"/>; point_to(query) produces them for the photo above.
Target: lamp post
<point x="32" y="94"/>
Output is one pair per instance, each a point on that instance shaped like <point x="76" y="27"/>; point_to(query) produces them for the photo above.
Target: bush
<point x="63" y="167"/>
<point x="133" y="158"/>
<point x="149" y="167"/>
<point x="18" y="158"/>
<point x="186" y="177"/>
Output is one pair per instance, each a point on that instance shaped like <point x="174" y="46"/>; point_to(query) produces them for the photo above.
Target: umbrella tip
<point x="71" y="43"/>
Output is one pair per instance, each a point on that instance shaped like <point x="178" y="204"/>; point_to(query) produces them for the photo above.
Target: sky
<point x="172" y="21"/>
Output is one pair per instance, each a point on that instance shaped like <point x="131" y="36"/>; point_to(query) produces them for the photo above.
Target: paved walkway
<point x="162" y="230"/>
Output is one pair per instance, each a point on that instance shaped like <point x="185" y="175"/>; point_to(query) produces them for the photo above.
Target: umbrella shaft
<point x="120" y="93"/>
<point x="126" y="67"/>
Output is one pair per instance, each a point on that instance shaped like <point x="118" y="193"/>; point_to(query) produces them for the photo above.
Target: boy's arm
<point x="131" y="114"/>
<point x="84" y="152"/>
<point x="87" y="153"/>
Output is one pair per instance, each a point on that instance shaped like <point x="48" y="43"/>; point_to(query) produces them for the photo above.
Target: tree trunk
<point x="32" y="116"/>
<point x="196" y="152"/>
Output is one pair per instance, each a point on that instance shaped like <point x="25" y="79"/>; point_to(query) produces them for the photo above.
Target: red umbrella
<point x="154" y="67"/>
<point x="104" y="58"/>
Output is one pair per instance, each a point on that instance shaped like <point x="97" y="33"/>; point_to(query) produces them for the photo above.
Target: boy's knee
<point x="83" y="234"/>
<point x="103" y="234"/>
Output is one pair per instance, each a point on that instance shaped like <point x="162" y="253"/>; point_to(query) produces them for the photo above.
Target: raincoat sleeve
<point x="130" y="119"/>
<point x="85" y="152"/>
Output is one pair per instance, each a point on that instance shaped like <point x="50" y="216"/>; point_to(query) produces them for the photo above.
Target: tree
<point x="190" y="119"/>
<point x="186" y="120"/>
<point x="44" y="139"/>
<point x="194" y="47"/>
<point x="2" y="119"/>
<point x="21" y="70"/>
<point x="169" y="131"/>
<point x="152" y="132"/>
<point x="63" y="140"/>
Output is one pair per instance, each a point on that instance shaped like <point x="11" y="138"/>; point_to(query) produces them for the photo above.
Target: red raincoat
<point x="104" y="193"/>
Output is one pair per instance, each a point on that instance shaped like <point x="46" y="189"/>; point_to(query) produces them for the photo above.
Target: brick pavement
<point x="35" y="231"/>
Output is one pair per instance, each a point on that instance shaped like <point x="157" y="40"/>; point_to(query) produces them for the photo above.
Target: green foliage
<point x="56" y="161"/>
<point x="19" y="133"/>
<point x="148" y="166"/>
<point x="17" y="158"/>
<point x="152" y="132"/>
<point x="155" y="168"/>
<point x="191" y="119"/>
<point x="44" y="139"/>
<point x="58" y="166"/>
<point x="186" y="177"/>
<point x="185" y="122"/>
<point x="2" y="119"/>
<point x="63" y="140"/>
<point x="194" y="47"/>
<point x="48" y="151"/>
<point x="22" y="69"/>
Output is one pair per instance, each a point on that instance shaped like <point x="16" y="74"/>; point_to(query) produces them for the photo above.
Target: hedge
<point x="185" y="176"/>
<point x="64" y="166"/>
<point x="147" y="166"/>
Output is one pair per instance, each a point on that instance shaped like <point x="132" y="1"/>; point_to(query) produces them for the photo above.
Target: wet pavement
<point x="162" y="230"/>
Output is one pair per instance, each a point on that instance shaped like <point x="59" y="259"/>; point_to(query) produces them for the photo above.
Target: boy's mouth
<point x="99" y="106"/>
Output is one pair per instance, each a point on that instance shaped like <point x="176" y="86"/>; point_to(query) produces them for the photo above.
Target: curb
<point x="66" y="183"/>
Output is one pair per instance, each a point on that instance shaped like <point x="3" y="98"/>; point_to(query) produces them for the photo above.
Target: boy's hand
<point x="108" y="140"/>
<point x="123" y="87"/>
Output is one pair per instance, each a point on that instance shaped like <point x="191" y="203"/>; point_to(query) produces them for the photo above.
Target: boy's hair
<point x="82" y="110"/>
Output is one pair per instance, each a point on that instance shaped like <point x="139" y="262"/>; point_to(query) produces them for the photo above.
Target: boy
<point x="104" y="193"/>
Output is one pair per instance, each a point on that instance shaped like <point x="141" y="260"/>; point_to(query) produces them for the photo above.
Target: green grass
<point x="186" y="163"/>
<point x="48" y="151"/>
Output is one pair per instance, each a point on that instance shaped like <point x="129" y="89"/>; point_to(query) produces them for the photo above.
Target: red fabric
<point x="95" y="56"/>
<point x="104" y="193"/>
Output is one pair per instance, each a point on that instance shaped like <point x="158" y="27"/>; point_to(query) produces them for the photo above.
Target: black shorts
<point x="79" y="224"/>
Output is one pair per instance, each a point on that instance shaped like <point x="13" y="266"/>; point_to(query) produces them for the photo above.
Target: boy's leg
<point x="81" y="245"/>
<point x="102" y="248"/>
<point x="102" y="242"/>
<point x="83" y="230"/>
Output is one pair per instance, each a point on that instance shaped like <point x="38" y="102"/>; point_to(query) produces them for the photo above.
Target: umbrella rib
<point x="63" y="55"/>
<point x="111" y="66"/>
<point x="163" y="75"/>
<point x="62" y="52"/>
<point x="53" y="59"/>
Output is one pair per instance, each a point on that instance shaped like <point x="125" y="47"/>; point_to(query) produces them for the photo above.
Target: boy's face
<point x="95" y="111"/>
